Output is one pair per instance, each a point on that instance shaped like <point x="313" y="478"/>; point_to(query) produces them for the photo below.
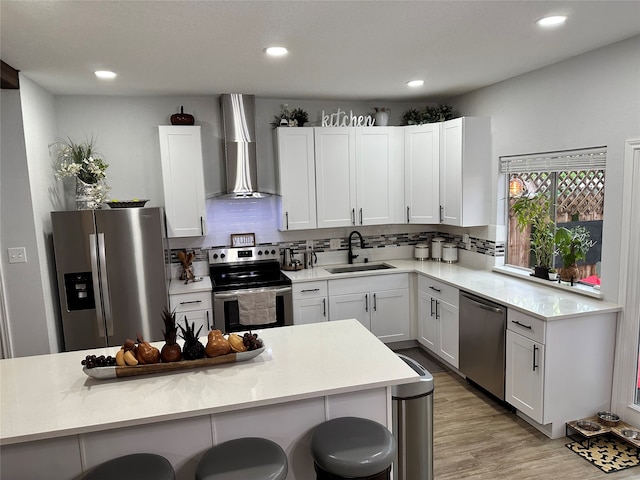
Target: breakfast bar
<point x="57" y="422"/>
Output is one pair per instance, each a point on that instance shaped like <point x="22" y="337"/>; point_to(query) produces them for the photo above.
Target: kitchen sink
<point x="363" y="267"/>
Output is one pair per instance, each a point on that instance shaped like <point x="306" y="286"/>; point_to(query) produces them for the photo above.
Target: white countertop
<point x="546" y="303"/>
<point x="49" y="396"/>
<point x="177" y="286"/>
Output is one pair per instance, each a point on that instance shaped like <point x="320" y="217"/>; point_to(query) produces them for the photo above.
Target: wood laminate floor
<point x="476" y="438"/>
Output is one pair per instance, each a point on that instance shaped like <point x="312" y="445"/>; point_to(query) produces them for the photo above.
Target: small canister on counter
<point x="421" y="252"/>
<point x="436" y="248"/>
<point x="450" y="253"/>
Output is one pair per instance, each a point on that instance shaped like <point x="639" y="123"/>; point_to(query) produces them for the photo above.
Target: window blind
<point x="594" y="158"/>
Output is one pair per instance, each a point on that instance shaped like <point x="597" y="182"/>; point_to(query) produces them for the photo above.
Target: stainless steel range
<point x="249" y="290"/>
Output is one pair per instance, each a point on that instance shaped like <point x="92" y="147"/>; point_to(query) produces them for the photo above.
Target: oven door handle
<point x="234" y="293"/>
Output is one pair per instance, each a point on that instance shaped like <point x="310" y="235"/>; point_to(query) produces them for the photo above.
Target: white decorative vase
<point x="381" y="118"/>
<point x="89" y="196"/>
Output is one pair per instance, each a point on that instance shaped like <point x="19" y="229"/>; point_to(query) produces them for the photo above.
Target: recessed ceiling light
<point x="415" y="83"/>
<point x="552" y="21"/>
<point x="105" y="74"/>
<point x="276" y="51"/>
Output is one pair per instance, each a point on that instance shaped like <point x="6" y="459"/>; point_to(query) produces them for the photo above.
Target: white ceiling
<point x="338" y="49"/>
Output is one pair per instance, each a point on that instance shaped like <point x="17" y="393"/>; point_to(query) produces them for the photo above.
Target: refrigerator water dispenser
<point x="79" y="290"/>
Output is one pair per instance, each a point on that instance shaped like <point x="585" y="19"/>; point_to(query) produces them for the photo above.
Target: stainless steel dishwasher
<point x="482" y="342"/>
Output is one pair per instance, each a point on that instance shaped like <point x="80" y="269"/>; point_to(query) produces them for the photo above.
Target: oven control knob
<point x="222" y="255"/>
<point x="259" y="252"/>
<point x="273" y="252"/>
<point x="215" y="255"/>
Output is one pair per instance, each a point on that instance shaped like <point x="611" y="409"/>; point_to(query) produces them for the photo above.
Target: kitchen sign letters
<point x="341" y="119"/>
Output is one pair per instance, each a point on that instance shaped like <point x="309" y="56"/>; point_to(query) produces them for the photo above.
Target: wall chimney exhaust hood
<point x="238" y="125"/>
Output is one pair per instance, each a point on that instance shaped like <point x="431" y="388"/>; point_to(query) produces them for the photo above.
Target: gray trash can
<point x="413" y="425"/>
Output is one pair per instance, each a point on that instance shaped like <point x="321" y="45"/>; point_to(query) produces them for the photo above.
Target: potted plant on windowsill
<point x="573" y="245"/>
<point x="533" y="210"/>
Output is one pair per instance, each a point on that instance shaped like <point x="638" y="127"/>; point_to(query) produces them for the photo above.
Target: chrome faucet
<point x="350" y="254"/>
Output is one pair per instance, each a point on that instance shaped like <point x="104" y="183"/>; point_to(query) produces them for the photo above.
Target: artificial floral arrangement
<point x="82" y="161"/>
<point x="439" y="113"/>
<point x="294" y="117"/>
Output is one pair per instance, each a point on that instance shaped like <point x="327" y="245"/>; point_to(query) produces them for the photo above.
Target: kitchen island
<point x="57" y="423"/>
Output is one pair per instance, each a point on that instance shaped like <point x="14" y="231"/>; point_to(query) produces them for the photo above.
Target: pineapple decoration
<point x="192" y="349"/>
<point x="171" y="352"/>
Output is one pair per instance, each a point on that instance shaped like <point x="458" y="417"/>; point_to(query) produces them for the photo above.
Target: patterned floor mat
<point x="608" y="454"/>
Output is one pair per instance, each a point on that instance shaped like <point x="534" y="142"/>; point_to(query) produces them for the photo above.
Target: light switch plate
<point x="17" y="254"/>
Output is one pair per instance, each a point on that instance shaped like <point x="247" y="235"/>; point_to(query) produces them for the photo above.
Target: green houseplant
<point x="293" y="117"/>
<point x="84" y="163"/>
<point x="534" y="210"/>
<point x="573" y="245"/>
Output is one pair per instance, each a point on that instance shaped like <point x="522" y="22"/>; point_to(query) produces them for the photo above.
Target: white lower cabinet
<point x="561" y="370"/>
<point x="193" y="308"/>
<point x="438" y="319"/>
<point x="380" y="303"/>
<point x="310" y="303"/>
<point x="524" y="384"/>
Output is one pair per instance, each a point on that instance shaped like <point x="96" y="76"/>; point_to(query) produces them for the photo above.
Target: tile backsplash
<point x="226" y="216"/>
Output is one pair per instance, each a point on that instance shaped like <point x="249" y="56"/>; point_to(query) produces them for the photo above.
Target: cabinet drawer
<point x="309" y="289"/>
<point x="438" y="290"/>
<point x="527" y="326"/>
<point x="186" y="302"/>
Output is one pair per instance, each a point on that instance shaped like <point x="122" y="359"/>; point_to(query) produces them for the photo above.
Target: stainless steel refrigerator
<point x="111" y="275"/>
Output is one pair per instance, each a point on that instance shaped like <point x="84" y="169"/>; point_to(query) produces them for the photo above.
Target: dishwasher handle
<point x="484" y="306"/>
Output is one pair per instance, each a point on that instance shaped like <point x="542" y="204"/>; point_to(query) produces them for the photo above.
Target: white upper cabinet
<point x="465" y="171"/>
<point x="421" y="173"/>
<point x="335" y="176"/>
<point x="358" y="175"/>
<point x="183" y="181"/>
<point x="297" y="178"/>
<point x="379" y="181"/>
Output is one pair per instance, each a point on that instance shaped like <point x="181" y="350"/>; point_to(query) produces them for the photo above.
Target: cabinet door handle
<point x="191" y="302"/>
<point x="324" y="307"/>
<point x="286" y="217"/>
<point x="432" y="300"/>
<point x="435" y="289"/>
<point x="366" y="302"/>
<point x="353" y="216"/>
<point x="201" y="226"/>
<point x="441" y="213"/>
<point x="535" y="349"/>
<point x="375" y="303"/>
<point x="360" y="216"/>
<point x="408" y="218"/>
<point x="437" y="314"/>
<point x="528" y="327"/>
<point x="208" y="324"/>
<point x="310" y="290"/>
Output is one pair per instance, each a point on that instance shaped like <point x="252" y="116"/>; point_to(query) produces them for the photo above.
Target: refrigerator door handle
<point x="106" y="297"/>
<point x="93" y="249"/>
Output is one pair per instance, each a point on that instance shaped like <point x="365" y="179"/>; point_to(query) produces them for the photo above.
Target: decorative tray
<point x="106" y="373"/>
<point x="126" y="203"/>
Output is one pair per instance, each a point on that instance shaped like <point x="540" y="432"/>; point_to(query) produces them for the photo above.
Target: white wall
<point x="589" y="100"/>
<point x="25" y="305"/>
<point x="39" y="128"/>
<point x="126" y="132"/>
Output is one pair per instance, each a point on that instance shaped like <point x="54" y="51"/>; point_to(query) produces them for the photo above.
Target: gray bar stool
<point x="352" y="448"/>
<point x="244" y="459"/>
<point x="138" y="466"/>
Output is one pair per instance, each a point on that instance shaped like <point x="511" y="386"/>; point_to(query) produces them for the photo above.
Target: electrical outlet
<point x="334" y="244"/>
<point x="467" y="241"/>
<point x="309" y="245"/>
